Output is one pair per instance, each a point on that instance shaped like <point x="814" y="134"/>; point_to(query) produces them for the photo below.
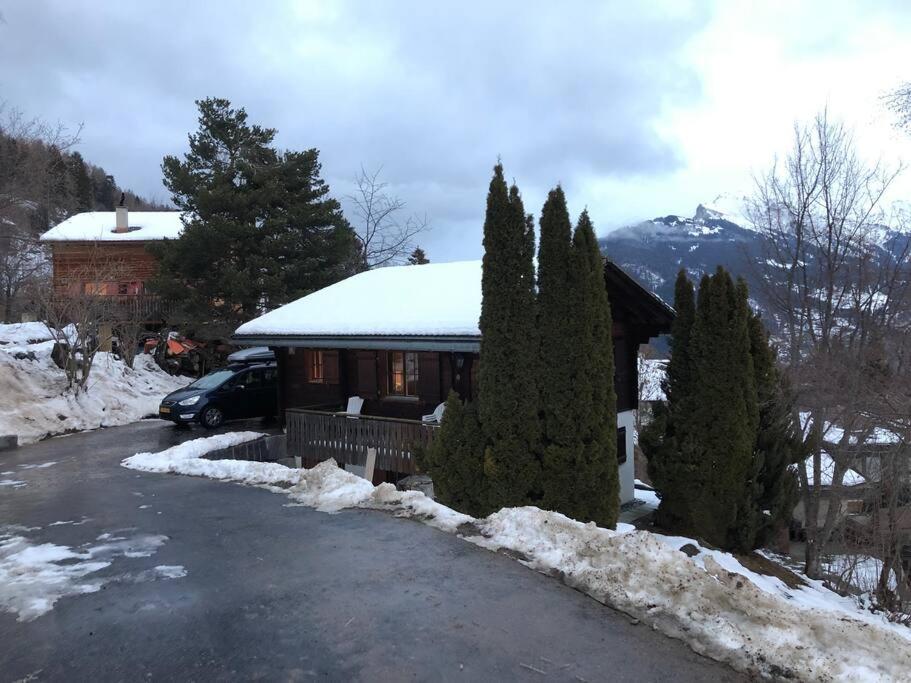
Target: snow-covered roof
<point x="94" y="226"/>
<point x="434" y="299"/>
<point x="827" y="472"/>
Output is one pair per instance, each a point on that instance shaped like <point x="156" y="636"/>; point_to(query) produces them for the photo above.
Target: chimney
<point x="122" y="222"/>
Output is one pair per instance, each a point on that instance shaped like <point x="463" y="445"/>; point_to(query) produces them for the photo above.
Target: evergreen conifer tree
<point x="596" y="490"/>
<point x="722" y="419"/>
<point x="260" y="230"/>
<point x="508" y="397"/>
<point x="82" y="184"/>
<point x="778" y="444"/>
<point x="455" y="459"/>
<point x="560" y="314"/>
<point x="672" y="469"/>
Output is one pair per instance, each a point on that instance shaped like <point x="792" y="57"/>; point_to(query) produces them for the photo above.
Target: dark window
<point x="621" y="445"/>
<point x="403" y="373"/>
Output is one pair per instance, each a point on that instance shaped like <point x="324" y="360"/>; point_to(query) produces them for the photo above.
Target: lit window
<point x="403" y="373"/>
<point x="316" y="367"/>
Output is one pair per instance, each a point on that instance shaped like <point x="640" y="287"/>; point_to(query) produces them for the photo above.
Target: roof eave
<point x="457" y="343"/>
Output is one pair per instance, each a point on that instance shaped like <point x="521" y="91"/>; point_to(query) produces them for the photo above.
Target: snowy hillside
<point x="34" y="402"/>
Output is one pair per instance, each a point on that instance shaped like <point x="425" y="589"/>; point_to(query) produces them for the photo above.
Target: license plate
<point x="164" y="409"/>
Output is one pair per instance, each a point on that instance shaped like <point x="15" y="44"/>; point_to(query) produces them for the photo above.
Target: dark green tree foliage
<point x="595" y="492"/>
<point x="455" y="459"/>
<point x="508" y="397"/>
<point x="701" y="450"/>
<point x="84" y="199"/>
<point x="558" y="308"/>
<point x="778" y="445"/>
<point x="261" y="228"/>
<point x="672" y="468"/>
<point x="722" y="419"/>
<point x="418" y="257"/>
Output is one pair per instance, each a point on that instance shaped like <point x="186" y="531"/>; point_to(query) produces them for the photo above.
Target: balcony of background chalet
<point x="108" y="307"/>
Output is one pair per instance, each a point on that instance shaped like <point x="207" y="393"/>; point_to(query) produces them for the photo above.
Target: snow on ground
<point x="710" y="601"/>
<point x="34" y="576"/>
<point x="34" y="401"/>
<point x="22" y="334"/>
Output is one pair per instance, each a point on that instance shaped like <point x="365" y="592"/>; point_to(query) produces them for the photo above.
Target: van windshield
<point x="212" y="380"/>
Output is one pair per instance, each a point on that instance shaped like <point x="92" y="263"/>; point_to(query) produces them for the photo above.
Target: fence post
<point x="370" y="464"/>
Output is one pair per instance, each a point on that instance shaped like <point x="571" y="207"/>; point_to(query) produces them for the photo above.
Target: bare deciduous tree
<point x="385" y="236"/>
<point x="24" y="176"/>
<point x="80" y="314"/>
<point x="834" y="294"/>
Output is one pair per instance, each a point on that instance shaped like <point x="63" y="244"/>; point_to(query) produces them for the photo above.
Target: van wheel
<point x="212" y="417"/>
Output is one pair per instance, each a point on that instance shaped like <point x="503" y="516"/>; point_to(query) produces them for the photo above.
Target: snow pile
<point x="22" y="334"/>
<point x="99" y="226"/>
<point x="33" y="577"/>
<point x="186" y="458"/>
<point x="710" y="601"/>
<point x="381" y="302"/>
<point x="35" y="403"/>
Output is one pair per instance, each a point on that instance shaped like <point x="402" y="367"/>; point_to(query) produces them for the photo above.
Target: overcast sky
<point x="638" y="109"/>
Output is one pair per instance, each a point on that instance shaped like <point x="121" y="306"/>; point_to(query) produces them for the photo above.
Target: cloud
<point x="566" y="92"/>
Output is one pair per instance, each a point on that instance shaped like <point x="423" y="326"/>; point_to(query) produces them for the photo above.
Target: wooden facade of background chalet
<point x="74" y="261"/>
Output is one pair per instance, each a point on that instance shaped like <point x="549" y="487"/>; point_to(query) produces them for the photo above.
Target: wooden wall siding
<point x="130" y="260"/>
<point x="316" y="436"/>
<point x="298" y="392"/>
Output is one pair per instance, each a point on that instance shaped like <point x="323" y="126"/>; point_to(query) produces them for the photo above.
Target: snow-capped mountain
<point x="716" y="234"/>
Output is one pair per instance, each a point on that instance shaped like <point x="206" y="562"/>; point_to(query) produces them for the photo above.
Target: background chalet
<point x="104" y="252"/>
<point x="400" y="338"/>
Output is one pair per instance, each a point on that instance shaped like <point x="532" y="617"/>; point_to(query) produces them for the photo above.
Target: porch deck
<point x="316" y="435"/>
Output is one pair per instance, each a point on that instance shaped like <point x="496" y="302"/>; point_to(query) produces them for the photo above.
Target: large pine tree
<point x="508" y="394"/>
<point x="559" y="315"/>
<point x="260" y="227"/>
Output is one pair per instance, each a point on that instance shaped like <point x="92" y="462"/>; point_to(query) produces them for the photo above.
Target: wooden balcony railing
<point x="114" y="307"/>
<point x="315" y="436"/>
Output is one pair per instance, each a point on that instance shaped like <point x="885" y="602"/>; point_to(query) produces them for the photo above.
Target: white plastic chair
<point x="355" y="403"/>
<point x="436" y="417"/>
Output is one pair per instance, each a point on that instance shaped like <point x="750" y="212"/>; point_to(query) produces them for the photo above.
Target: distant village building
<point x="400" y="339"/>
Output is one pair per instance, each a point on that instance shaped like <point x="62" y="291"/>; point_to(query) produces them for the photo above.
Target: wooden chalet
<point x="104" y="253"/>
<point x="400" y="338"/>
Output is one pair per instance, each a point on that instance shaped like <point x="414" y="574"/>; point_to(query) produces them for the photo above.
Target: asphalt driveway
<point x="207" y="580"/>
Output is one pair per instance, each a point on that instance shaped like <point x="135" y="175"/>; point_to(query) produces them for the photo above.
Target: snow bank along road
<point x="112" y="574"/>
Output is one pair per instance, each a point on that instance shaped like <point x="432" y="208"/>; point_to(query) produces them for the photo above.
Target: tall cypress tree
<point x="672" y="469"/>
<point x="722" y="419"/>
<point x="508" y="397"/>
<point x="778" y="444"/>
<point x="596" y="492"/>
<point x="559" y="315"/>
<point x="455" y="459"/>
